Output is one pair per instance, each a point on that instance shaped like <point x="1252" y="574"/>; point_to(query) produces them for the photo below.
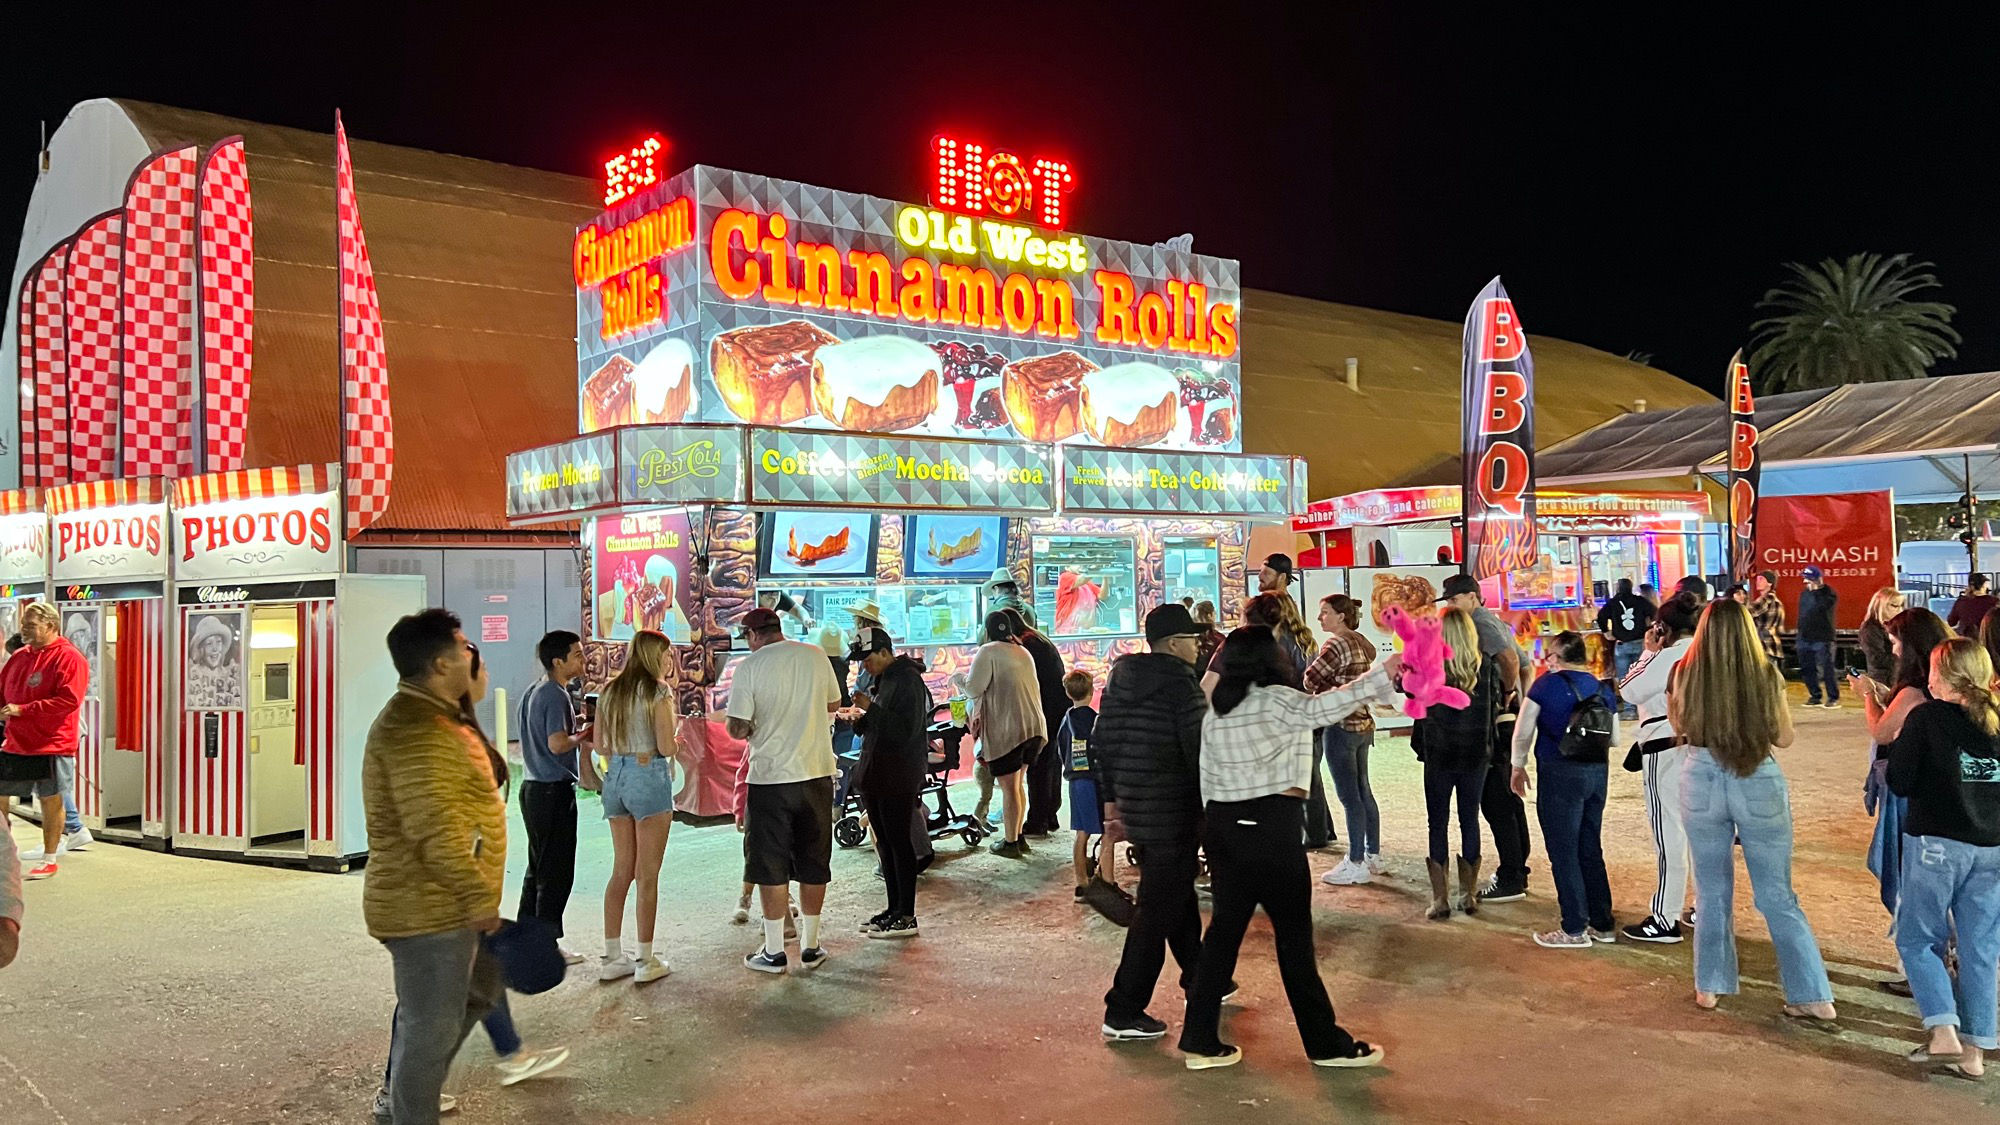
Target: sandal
<point x="1953" y="1070"/>
<point x="1798" y="1014"/>
<point x="1922" y="1055"/>
<point x="1362" y="1053"/>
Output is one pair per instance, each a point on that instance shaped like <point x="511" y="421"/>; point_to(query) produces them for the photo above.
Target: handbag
<point x="21" y="774"/>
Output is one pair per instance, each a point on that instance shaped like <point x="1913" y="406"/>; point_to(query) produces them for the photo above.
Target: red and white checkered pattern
<point x="51" y="370"/>
<point x="158" y="299"/>
<point x="90" y="302"/>
<point x="368" y="434"/>
<point x="249" y="484"/>
<point x="24" y="358"/>
<point x="228" y="308"/>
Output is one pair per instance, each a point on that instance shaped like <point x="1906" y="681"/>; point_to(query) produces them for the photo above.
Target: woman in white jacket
<point x="1662" y="761"/>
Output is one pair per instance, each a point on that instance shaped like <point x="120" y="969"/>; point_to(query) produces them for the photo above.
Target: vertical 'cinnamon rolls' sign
<point x="1498" y="424"/>
<point x="1745" y="471"/>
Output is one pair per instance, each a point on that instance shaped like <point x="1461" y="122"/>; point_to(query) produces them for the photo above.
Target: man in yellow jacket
<point x="437" y="848"/>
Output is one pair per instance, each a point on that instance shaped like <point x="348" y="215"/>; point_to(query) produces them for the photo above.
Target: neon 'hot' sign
<point x="982" y="181"/>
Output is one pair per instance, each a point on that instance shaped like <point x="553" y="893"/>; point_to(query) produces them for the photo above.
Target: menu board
<point x="805" y="467"/>
<point x="1086" y="585"/>
<point x="641" y="570"/>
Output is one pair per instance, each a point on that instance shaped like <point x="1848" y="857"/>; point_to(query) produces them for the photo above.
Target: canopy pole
<point x="1971" y="514"/>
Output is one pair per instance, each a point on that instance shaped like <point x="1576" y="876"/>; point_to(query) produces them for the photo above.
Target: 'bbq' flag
<point x="1498" y="431"/>
<point x="368" y="442"/>
<point x="1745" y="472"/>
<point x="228" y="306"/>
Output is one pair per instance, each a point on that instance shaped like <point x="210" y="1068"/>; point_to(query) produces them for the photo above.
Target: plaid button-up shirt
<point x="1342" y="660"/>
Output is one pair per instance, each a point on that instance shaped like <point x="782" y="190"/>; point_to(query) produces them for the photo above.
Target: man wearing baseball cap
<point x="895" y="747"/>
<point x="1148" y="744"/>
<point x="1276" y="575"/>
<point x="781" y="702"/>
<point x="1816" y="640"/>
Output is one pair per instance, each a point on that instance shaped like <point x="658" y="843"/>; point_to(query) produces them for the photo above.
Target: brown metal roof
<point x="472" y="263"/>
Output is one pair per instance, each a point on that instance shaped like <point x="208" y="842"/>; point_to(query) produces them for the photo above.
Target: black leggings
<point x="1439" y="785"/>
<point x="1257" y="857"/>
<point x="890" y="817"/>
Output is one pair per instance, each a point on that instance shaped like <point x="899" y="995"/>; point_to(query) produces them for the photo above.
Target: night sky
<point x="1636" y="182"/>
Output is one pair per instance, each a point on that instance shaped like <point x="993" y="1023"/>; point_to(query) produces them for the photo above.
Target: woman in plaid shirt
<point x="1344" y="658"/>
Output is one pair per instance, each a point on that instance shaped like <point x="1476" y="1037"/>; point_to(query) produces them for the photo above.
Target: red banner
<point x="228" y="306"/>
<point x="1849" y="536"/>
<point x="51" y="370"/>
<point x="157" y="296"/>
<point x="1497" y="419"/>
<point x="92" y="343"/>
<point x="1746" y="472"/>
<point x="369" y="444"/>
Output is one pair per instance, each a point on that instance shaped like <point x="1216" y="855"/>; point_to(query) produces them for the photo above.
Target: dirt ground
<point x="158" y="989"/>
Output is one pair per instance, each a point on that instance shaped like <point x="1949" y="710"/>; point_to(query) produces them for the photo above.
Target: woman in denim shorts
<point x="635" y="730"/>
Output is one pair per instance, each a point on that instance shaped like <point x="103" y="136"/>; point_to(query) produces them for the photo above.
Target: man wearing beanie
<point x="1148" y="742"/>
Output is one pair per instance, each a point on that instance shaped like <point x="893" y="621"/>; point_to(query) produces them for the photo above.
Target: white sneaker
<point x="78" y="840"/>
<point x="41" y="855"/>
<point x="569" y="956"/>
<point x="616" y="968"/>
<point x="524" y="1065"/>
<point x="1375" y="864"/>
<point x="650" y="970"/>
<point x="1347" y="874"/>
<point x="447" y="1103"/>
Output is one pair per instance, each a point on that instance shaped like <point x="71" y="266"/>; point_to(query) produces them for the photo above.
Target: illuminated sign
<point x="623" y="264"/>
<point x="1569" y="512"/>
<point x="572" y="476"/>
<point x="24" y="547"/>
<point x="796" y="467"/>
<point x="680" y="464"/>
<point x="1130" y="480"/>
<point x="258" y="537"/>
<point x="633" y="171"/>
<point x="973" y="179"/>
<point x="128" y="541"/>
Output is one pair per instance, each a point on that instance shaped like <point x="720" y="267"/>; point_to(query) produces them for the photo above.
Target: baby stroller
<point x="940" y="819"/>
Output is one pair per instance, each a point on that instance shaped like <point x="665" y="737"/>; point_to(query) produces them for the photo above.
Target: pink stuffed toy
<point x="1424" y="654"/>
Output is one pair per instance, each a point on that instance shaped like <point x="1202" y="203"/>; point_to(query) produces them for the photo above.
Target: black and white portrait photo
<point x="215" y="660"/>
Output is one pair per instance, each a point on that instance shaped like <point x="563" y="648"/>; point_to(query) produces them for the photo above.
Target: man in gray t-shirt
<point x="1495" y="639"/>
<point x="553" y="764"/>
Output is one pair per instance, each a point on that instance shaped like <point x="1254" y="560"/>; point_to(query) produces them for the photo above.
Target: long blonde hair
<point x="1727" y="697"/>
<point x="1294" y="626"/>
<point x="1963" y="663"/>
<point x="1462" y="670"/>
<point x="641" y="680"/>
<point x="1886" y="596"/>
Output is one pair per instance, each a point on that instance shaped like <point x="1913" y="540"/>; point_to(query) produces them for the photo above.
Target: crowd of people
<point x="1202" y="754"/>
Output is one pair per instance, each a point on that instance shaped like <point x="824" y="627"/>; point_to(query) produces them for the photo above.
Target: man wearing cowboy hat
<point x="1004" y="592"/>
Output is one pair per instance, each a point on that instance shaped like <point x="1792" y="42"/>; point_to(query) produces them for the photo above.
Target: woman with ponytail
<point x="1946" y="762"/>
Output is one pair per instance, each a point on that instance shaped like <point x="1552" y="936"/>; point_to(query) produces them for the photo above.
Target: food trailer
<point x="823" y="401"/>
<point x="281" y="667"/>
<point x="108" y="581"/>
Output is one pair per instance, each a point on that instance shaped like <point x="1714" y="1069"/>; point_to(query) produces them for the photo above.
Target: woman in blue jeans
<point x="1571" y="807"/>
<point x="1727" y="702"/>
<point x="1946" y="763"/>
<point x="1345" y="657"/>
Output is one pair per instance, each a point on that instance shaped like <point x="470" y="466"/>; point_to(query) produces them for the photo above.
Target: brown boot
<point x="1440" y="892"/>
<point x="1468" y="885"/>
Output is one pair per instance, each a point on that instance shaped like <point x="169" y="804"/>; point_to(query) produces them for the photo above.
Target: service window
<point x="1191" y="567"/>
<point x="1086" y="585"/>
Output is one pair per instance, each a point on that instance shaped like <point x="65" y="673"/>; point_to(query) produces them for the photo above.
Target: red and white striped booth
<point x="108" y="549"/>
<point x="282" y="667"/>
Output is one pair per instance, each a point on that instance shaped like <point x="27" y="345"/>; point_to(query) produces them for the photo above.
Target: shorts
<point x="637" y="791"/>
<point x="788" y="834"/>
<point x="1015" y="760"/>
<point x="1086" y="812"/>
<point x="62" y="784"/>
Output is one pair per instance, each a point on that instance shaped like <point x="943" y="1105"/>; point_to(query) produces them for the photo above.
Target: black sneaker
<point x="810" y="959"/>
<point x="1653" y="930"/>
<point x="1141" y="1026"/>
<point x="904" y="927"/>
<point x="1495" y="891"/>
<point x="1009" y="849"/>
<point x="763" y="962"/>
<point x="876" y="923"/>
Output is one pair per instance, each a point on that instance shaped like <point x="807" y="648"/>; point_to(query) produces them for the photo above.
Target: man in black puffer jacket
<point x="1148" y="744"/>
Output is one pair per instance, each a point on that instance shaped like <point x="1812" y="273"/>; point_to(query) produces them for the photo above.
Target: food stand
<point x="821" y="401"/>
<point x="108" y="581"/>
<point x="281" y="668"/>
<point x="1587" y="540"/>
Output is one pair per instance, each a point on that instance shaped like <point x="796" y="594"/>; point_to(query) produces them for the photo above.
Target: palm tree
<point x="1851" y="322"/>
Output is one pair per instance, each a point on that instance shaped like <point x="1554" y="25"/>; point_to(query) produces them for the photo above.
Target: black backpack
<point x="1588" y="736"/>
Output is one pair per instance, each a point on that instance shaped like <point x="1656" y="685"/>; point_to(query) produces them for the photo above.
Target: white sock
<point x="774" y="936"/>
<point x="613" y="949"/>
<point x="808" y="931"/>
<point x="645" y="951"/>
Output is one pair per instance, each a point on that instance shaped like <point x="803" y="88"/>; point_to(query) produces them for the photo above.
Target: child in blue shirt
<point x="1086" y="812"/>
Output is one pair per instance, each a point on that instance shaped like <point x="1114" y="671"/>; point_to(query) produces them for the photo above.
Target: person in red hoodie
<point x="43" y="686"/>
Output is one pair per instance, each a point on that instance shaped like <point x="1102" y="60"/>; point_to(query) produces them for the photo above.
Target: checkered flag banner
<point x="156" y="438"/>
<point x="368" y="439"/>
<point x="228" y="308"/>
<point x="93" y="345"/>
<point x="51" y="370"/>
<point x="24" y="362"/>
